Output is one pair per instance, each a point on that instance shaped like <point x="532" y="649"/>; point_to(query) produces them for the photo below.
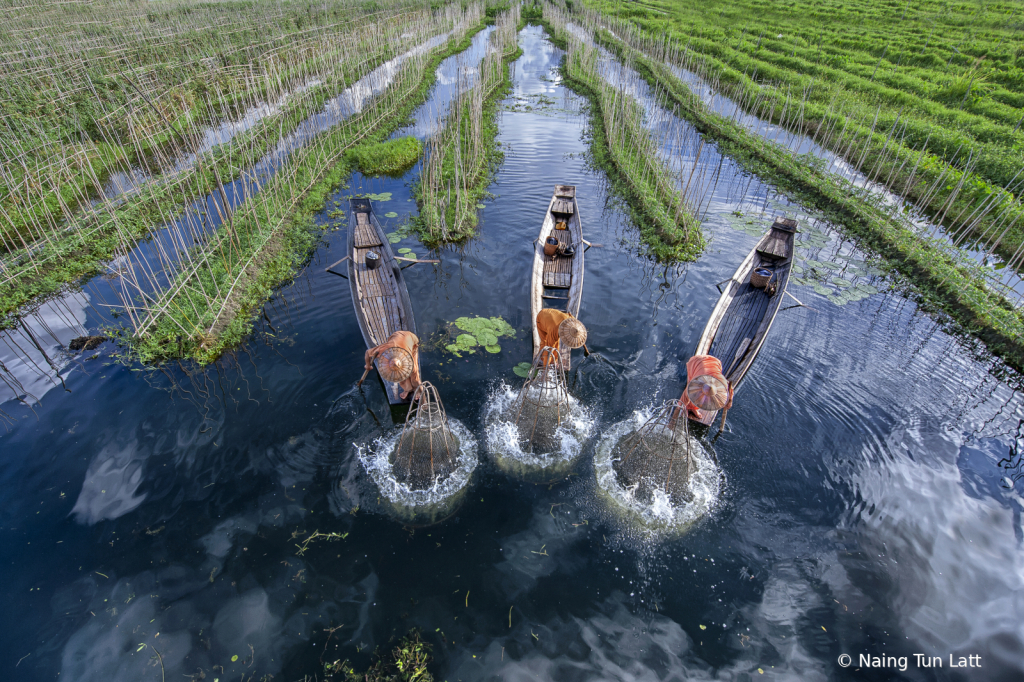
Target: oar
<point x="739" y="354"/>
<point x="363" y="378"/>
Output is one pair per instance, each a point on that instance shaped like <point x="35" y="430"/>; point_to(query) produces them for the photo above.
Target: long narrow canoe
<point x="380" y="296"/>
<point x="557" y="280"/>
<point x="740" y="322"/>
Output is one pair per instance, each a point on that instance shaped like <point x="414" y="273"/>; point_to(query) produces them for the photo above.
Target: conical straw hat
<point x="572" y="333"/>
<point x="395" y="364"/>
<point x="708" y="392"/>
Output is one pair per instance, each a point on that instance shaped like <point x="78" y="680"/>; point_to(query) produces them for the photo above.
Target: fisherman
<point x="706" y="387"/>
<point x="398" y="360"/>
<point x="557" y="328"/>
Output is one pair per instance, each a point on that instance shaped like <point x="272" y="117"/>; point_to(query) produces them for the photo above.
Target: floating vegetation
<point x="390" y="214"/>
<point x="665" y="217"/>
<point x="462" y="155"/>
<point x="106" y="148"/>
<point x="840" y="279"/>
<point x="467" y="334"/>
<point x="406" y="662"/>
<point x="653" y="475"/>
<point x="383" y="196"/>
<point x="392" y="157"/>
<point x="984" y="301"/>
<point x="537" y="433"/>
<point x="201" y="298"/>
<point x="522" y="369"/>
<point x="422" y="471"/>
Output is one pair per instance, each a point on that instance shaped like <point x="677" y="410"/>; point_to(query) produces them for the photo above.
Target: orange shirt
<point x="411" y="343"/>
<point x="548" y="320"/>
<point x="700" y="365"/>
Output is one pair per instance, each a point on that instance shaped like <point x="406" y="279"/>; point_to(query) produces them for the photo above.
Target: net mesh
<point x="427" y="452"/>
<point x="657" y="457"/>
<point x="542" y="404"/>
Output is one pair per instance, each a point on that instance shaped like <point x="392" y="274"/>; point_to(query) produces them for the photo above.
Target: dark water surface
<point x="864" y="509"/>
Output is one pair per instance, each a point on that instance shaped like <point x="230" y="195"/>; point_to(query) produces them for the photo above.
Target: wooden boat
<point x="557" y="280"/>
<point x="380" y="296"/>
<point x="740" y="322"/>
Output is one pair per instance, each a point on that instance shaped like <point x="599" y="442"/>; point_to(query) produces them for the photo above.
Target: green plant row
<point x="625" y="150"/>
<point x="96" y="237"/>
<point x="830" y="100"/>
<point x="464" y="153"/>
<point x="951" y="286"/>
<point x="33" y="197"/>
<point x="275" y="235"/>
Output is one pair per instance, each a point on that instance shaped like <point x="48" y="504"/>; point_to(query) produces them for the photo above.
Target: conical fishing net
<point x="427" y="451"/>
<point x="542" y="405"/>
<point x="659" y="456"/>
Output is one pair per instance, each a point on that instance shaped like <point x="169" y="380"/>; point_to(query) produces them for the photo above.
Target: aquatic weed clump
<point x="654" y="509"/>
<point x="406" y="662"/>
<point x="392" y="157"/>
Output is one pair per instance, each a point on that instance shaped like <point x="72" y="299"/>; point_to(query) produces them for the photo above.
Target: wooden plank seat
<point x="558" y="268"/>
<point x="563" y="206"/>
<point x="378" y="290"/>
<point x="776" y="247"/>
<point x="366" y="235"/>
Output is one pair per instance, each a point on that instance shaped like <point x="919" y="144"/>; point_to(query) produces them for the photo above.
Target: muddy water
<point x="864" y="508"/>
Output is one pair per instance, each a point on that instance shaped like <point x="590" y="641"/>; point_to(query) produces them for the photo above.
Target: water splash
<point x="421" y="507"/>
<point x="659" y="518"/>
<point x="506" y="448"/>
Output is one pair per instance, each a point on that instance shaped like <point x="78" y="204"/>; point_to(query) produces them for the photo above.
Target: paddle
<point x="363" y="378"/>
<point x="739" y="354"/>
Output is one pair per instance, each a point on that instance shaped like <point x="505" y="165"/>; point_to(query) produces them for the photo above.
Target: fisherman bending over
<point x="398" y="360"/>
<point x="706" y="387"/>
<point x="556" y="328"/>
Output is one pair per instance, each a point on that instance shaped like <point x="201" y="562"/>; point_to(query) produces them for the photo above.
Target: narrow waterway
<point x="864" y="505"/>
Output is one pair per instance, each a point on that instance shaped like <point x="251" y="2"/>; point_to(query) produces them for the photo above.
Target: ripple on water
<point x="506" y="449"/>
<point x="420" y="507"/>
<point x="659" y="518"/>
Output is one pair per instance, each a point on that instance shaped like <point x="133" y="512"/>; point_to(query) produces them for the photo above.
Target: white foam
<point x="660" y="516"/>
<point x="375" y="458"/>
<point x="503" y="439"/>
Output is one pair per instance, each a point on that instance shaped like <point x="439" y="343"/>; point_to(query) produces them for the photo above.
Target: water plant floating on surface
<point x="470" y="333"/>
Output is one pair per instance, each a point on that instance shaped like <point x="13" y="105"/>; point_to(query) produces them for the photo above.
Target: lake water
<point x="863" y="509"/>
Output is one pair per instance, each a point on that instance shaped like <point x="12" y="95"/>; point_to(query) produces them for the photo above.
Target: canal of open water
<point x="864" y="506"/>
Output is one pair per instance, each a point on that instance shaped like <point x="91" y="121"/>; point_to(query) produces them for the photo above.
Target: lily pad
<point x="867" y="288"/>
<point x="394" y="238"/>
<point x="840" y="282"/>
<point x="480" y="331"/>
<point x="383" y="196"/>
<point x="405" y="250"/>
<point x="481" y="206"/>
<point x="390" y="214"/>
<point x="824" y="291"/>
<point x="522" y="369"/>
